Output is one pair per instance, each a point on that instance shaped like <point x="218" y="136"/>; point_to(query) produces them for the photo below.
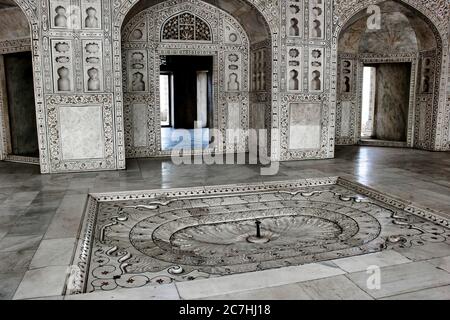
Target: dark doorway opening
<point x="186" y="99"/>
<point x="385" y="102"/>
<point x="21" y="104"/>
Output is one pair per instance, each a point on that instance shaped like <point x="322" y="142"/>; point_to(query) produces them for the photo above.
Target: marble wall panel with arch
<point x="185" y="28"/>
<point x="290" y="70"/>
<point x="406" y="34"/>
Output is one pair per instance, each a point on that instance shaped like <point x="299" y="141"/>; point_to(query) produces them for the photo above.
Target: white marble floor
<point x="40" y="218"/>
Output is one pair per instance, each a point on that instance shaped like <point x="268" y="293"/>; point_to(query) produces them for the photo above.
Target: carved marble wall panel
<point x="305" y="127"/>
<point x="259" y="69"/>
<point x="137" y="67"/>
<point x="316" y="19"/>
<point x="347" y="81"/>
<point x="91" y="14"/>
<point x="345" y="119"/>
<point x="427" y="70"/>
<point x="316" y="69"/>
<point x="81" y="132"/>
<point x="63" y="15"/>
<point x="233" y="71"/>
<point x="63" y="65"/>
<point x="139" y="113"/>
<point x="92" y="65"/>
<point x="294" y="18"/>
<point x="294" y="69"/>
<point x="233" y="119"/>
<point x="230" y="34"/>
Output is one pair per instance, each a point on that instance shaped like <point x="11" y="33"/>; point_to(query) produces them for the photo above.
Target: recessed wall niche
<point x="137" y="71"/>
<point x="316" y="19"/>
<point x="427" y="76"/>
<point x="92" y="66"/>
<point x="294" y="18"/>
<point x="294" y="69"/>
<point x="233" y="77"/>
<point x="62" y="65"/>
<point x="91" y="14"/>
<point x="316" y="69"/>
<point x="347" y="83"/>
<point x="64" y="15"/>
<point x="258" y="70"/>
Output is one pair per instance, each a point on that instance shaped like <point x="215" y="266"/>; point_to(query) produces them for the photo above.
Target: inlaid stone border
<point x="84" y="248"/>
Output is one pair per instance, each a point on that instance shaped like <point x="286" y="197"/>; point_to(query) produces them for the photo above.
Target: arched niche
<point x="402" y="36"/>
<point x="261" y="31"/>
<point x="186" y="29"/>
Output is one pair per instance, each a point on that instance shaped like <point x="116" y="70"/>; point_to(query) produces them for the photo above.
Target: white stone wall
<point x="78" y="64"/>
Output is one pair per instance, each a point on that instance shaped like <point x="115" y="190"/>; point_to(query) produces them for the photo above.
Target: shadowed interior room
<point x="224" y="150"/>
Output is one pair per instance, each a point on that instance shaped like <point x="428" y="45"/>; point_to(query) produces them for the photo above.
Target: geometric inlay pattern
<point x="161" y="236"/>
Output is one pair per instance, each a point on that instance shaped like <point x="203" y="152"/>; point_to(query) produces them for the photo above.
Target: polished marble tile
<point x="19" y="243"/>
<point x="53" y="252"/>
<point x="66" y="222"/>
<point x="21" y="199"/>
<point x="438" y="293"/>
<point x="35" y="224"/>
<point x="9" y="283"/>
<point x="425" y="252"/>
<point x="255" y="280"/>
<point x="404" y="278"/>
<point x="162" y="292"/>
<point x="332" y="288"/>
<point x="15" y="261"/>
<point x="441" y="263"/>
<point x="380" y="259"/>
<point x="43" y="282"/>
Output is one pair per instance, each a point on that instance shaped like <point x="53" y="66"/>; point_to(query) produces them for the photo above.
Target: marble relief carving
<point x="426" y="75"/>
<point x="91" y="14"/>
<point x="127" y="240"/>
<point x="294" y="18"/>
<point x="92" y="66"/>
<point x="233" y="73"/>
<point x="347" y="84"/>
<point x="316" y="69"/>
<point x="137" y="71"/>
<point x="186" y="27"/>
<point x="64" y="14"/>
<point x="295" y="69"/>
<point x="85" y="124"/>
<point x="316" y="19"/>
<point x="259" y="66"/>
<point x="63" y="75"/>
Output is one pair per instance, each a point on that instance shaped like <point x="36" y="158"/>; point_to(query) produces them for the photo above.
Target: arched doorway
<point x="388" y="77"/>
<point x="19" y="134"/>
<point x="240" y="48"/>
